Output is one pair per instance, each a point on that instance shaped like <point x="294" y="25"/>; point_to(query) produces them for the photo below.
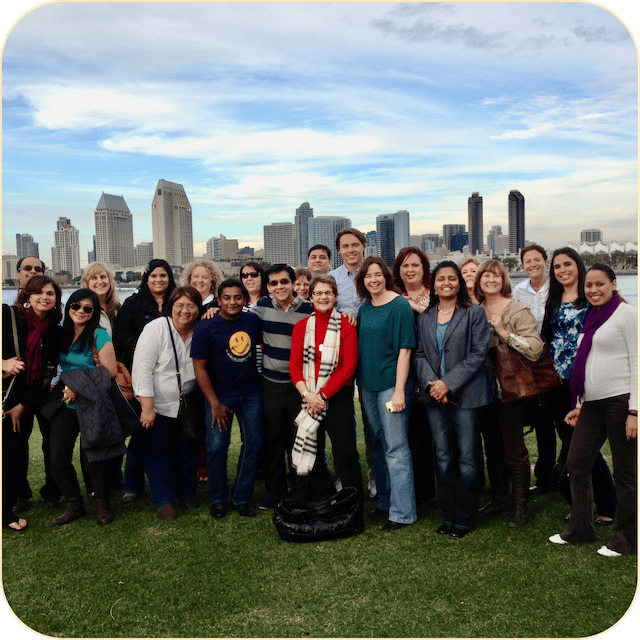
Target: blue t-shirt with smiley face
<point x="229" y="347"/>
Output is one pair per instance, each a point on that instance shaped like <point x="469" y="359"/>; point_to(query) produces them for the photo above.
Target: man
<point x="319" y="260"/>
<point x="279" y="313"/>
<point x="223" y="349"/>
<point x="27" y="268"/>
<point x="350" y="244"/>
<point x="534" y="292"/>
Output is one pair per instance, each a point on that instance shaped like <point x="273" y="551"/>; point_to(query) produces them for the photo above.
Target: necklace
<point x="446" y="312"/>
<point x="420" y="294"/>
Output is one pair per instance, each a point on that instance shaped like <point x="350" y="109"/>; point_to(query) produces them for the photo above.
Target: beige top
<point x="523" y="331"/>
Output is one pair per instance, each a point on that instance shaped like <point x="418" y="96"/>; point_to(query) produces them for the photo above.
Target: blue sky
<point x="358" y="108"/>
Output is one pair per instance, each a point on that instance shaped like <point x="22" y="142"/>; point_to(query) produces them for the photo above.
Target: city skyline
<point x="412" y="107"/>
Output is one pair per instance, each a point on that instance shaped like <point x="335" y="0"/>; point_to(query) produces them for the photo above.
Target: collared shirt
<point x="154" y="367"/>
<point x="535" y="300"/>
<point x="348" y="300"/>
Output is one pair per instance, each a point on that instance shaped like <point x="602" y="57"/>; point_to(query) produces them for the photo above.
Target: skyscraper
<point x="303" y="214"/>
<point x="144" y="253"/>
<point x="323" y="230"/>
<point x="448" y="230"/>
<point x="516" y="221"/>
<point x="25" y="246"/>
<point x="172" y="224"/>
<point x="494" y="232"/>
<point x="476" y="240"/>
<point x="222" y="248"/>
<point x="65" y="254"/>
<point x="392" y="231"/>
<point x="586" y="235"/>
<point x="114" y="232"/>
<point x="278" y="243"/>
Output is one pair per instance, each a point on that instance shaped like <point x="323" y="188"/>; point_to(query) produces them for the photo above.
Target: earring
<point x="27" y="305"/>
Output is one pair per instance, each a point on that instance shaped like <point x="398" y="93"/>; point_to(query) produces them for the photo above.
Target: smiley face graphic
<point x="240" y="344"/>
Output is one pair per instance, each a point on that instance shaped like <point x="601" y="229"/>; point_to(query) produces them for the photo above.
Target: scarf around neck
<point x="595" y="319"/>
<point x="36" y="329"/>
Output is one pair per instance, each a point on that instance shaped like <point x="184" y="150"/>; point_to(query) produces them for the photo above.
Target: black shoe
<point x="21" y="505"/>
<point x="458" y="533"/>
<point x="393" y="526"/>
<point x="378" y="514"/>
<point x="245" y="510"/>
<point x="53" y="502"/>
<point x="444" y="529"/>
<point x="218" y="510"/>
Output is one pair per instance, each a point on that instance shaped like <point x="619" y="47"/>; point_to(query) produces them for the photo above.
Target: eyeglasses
<point x="188" y="307"/>
<point x="275" y="283"/>
<point x="250" y="274"/>
<point x="319" y="294"/>
<point x="76" y="306"/>
<point x="28" y="267"/>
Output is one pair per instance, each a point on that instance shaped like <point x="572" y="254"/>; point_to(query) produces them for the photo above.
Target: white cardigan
<point x="612" y="364"/>
<point x="154" y="367"/>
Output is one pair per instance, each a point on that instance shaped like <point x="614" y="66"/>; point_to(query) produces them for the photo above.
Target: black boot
<point x="520" y="478"/>
<point x="75" y="510"/>
<point x="499" y="480"/>
<point x="99" y="474"/>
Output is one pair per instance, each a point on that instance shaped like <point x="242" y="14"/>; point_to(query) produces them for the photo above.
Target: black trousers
<point x="10" y="484"/>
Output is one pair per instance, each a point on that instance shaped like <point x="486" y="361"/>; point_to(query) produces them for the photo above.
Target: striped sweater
<point x="277" y="327"/>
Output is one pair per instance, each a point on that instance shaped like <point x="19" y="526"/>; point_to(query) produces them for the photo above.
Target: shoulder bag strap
<point x="17" y="349"/>
<point x="175" y="353"/>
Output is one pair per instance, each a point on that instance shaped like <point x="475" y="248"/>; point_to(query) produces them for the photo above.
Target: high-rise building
<point x="114" y="232"/>
<point x="587" y="235"/>
<point x="392" y="231"/>
<point x="9" y="267"/>
<point x="429" y="242"/>
<point x="91" y="255"/>
<point x="516" y="221"/>
<point x="323" y="230"/>
<point x="172" y="224"/>
<point x="304" y="213"/>
<point x="144" y="253"/>
<point x="25" y="246"/>
<point x="459" y="241"/>
<point x="222" y="248"/>
<point x="65" y="254"/>
<point x="494" y="232"/>
<point x="372" y="244"/>
<point x="476" y="239"/>
<point x="448" y="230"/>
<point x="278" y="243"/>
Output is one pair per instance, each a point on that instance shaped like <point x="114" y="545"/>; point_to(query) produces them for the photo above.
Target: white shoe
<point x="556" y="539"/>
<point x="373" y="491"/>
<point x="609" y="553"/>
<point x="338" y="485"/>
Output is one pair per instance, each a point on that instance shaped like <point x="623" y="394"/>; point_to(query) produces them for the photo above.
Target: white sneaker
<point x="556" y="539"/>
<point x="609" y="553"/>
<point x="373" y="491"/>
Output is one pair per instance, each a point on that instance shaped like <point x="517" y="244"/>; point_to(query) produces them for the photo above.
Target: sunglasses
<point x="274" y="283"/>
<point x="251" y="274"/>
<point x="76" y="306"/>
<point x="28" y="267"/>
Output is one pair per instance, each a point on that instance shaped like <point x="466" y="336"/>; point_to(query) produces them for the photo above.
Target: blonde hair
<point x="214" y="272"/>
<point x="467" y="261"/>
<point x="112" y="301"/>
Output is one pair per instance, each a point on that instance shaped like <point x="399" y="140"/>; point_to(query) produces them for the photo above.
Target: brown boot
<point x="100" y="480"/>
<point x="520" y="478"/>
<point x="75" y="510"/>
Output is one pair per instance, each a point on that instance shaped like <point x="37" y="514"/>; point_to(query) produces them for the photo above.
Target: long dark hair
<point x="36" y="284"/>
<point x="609" y="272"/>
<point x="263" y="276"/>
<point x="363" y="292"/>
<point x="401" y="257"/>
<point x="556" y="290"/>
<point x="463" y="295"/>
<point x="85" y="341"/>
<point x="144" y="291"/>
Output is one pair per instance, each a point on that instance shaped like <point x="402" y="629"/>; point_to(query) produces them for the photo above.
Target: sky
<point x="360" y="109"/>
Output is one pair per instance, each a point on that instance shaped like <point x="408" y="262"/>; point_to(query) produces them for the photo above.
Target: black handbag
<point x="423" y="398"/>
<point x="338" y="516"/>
<point x="192" y="412"/>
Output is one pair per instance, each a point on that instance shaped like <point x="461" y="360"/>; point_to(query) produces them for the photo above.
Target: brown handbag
<point x="520" y="377"/>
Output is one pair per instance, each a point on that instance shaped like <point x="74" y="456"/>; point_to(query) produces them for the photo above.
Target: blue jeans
<point x="457" y="447"/>
<point x="170" y="461"/>
<point x="249" y="411"/>
<point x="391" y="454"/>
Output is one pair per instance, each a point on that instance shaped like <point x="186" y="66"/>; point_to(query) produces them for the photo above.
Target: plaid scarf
<point x="304" y="451"/>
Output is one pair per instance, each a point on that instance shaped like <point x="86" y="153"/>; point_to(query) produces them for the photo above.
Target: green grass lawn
<point x="234" y="577"/>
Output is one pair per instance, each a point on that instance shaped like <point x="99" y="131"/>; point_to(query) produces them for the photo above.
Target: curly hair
<point x="214" y="272"/>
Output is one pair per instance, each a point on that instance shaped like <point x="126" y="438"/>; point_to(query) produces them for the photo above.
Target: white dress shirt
<point x="535" y="300"/>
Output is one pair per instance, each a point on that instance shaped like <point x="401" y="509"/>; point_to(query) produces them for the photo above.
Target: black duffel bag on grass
<point x="338" y="516"/>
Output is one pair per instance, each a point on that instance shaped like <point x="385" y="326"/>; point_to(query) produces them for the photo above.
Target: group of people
<point x="286" y="352"/>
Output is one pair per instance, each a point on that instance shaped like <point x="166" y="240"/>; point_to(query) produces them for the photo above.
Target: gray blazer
<point x="466" y="344"/>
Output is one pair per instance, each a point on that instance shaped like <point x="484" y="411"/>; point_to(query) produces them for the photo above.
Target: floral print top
<point x="566" y="327"/>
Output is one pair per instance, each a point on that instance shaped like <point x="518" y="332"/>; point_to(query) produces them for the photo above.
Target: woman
<point x="97" y="277"/>
<point x="148" y="303"/>
<point x="170" y="461"/>
<point x="302" y="281"/>
<point x="205" y="278"/>
<point x="88" y="362"/>
<point x="412" y="276"/>
<point x="254" y="280"/>
<point x="604" y="391"/>
<point x="511" y="322"/>
<point x="324" y="356"/>
<point x="565" y="315"/>
<point x="26" y="374"/>
<point x="385" y="340"/>
<point x="468" y="270"/>
<point x="453" y="340"/>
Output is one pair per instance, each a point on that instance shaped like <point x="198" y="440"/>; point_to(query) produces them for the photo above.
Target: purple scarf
<point x="595" y="319"/>
<point x="36" y="328"/>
